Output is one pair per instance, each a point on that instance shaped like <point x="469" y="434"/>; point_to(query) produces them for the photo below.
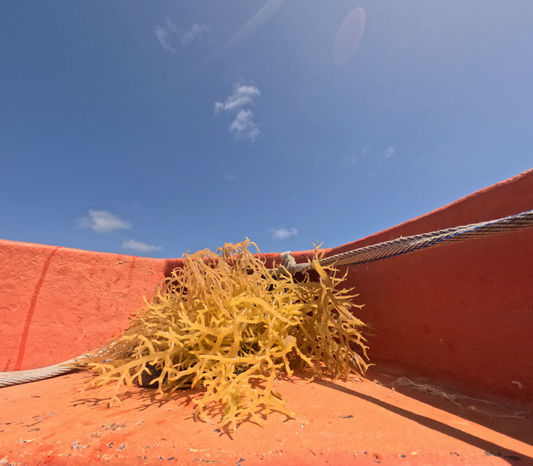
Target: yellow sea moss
<point x="225" y="323"/>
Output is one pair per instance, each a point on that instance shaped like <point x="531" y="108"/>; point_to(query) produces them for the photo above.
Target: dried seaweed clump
<point x="225" y="323"/>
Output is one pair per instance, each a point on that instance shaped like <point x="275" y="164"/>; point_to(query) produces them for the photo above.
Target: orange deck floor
<point x="356" y="422"/>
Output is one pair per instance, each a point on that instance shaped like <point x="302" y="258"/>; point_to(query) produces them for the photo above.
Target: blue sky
<point x="153" y="128"/>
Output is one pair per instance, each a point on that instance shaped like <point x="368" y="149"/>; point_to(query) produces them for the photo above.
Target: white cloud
<point x="242" y="95"/>
<point x="244" y="126"/>
<point x="194" y="32"/>
<point x="139" y="246"/>
<point x="102" y="221"/>
<point x="389" y="152"/>
<point x="283" y="233"/>
<point x="167" y="32"/>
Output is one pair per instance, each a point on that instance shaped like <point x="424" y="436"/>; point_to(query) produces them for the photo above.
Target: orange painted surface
<point x="459" y="316"/>
<point x="58" y="303"/>
<point x="52" y="422"/>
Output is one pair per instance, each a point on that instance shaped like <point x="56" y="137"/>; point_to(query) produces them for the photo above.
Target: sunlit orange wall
<point x="57" y="303"/>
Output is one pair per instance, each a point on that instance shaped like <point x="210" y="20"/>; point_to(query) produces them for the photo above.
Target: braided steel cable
<point x="409" y="244"/>
<point x="33" y="375"/>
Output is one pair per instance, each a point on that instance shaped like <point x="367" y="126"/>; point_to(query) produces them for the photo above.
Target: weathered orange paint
<point x="361" y="423"/>
<point x="58" y="303"/>
<point x="460" y="316"/>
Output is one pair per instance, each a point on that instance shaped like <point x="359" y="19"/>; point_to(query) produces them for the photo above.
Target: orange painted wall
<point x="461" y="314"/>
<point x="58" y="303"/>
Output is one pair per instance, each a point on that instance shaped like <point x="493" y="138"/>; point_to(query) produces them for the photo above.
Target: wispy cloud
<point x="102" y="221"/>
<point x="243" y="126"/>
<point x="283" y="233"/>
<point x="242" y="95"/>
<point x="167" y="33"/>
<point x="164" y="35"/>
<point x="138" y="246"/>
<point x="389" y="152"/>
<point x="196" y="31"/>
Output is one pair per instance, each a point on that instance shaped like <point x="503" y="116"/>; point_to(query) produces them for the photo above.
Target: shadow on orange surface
<point x="490" y="448"/>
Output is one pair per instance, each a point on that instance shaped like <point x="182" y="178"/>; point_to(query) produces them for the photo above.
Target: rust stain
<point x="36" y="291"/>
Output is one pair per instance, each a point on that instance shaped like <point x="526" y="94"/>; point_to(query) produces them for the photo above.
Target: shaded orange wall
<point x="460" y="314"/>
